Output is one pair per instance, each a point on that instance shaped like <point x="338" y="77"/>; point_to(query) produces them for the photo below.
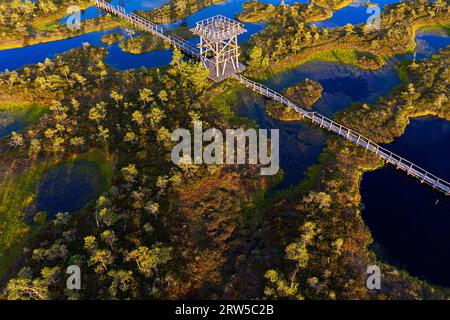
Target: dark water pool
<point x="410" y="221"/>
<point x="10" y="127"/>
<point x="402" y="214"/>
<point x="7" y="123"/>
<point x="428" y="43"/>
<point x="69" y="187"/>
<point x="301" y="143"/>
<point x="342" y="84"/>
<point x="13" y="59"/>
<point x="16" y="58"/>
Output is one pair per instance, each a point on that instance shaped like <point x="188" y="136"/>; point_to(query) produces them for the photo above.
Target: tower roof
<point x="218" y="28"/>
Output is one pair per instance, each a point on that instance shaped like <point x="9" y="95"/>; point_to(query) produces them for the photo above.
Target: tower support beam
<point x="219" y="48"/>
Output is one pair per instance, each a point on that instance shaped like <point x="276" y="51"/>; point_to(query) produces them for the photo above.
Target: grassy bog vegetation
<point x="151" y="216"/>
<point x="154" y="216"/>
<point x="323" y="257"/>
<point x="289" y="40"/>
<point x="24" y="23"/>
<point x="18" y="194"/>
<point x="258" y="11"/>
<point x="112" y="38"/>
<point x="176" y="10"/>
<point x="314" y="234"/>
<point x="147" y="42"/>
<point x="143" y="44"/>
<point x="304" y="94"/>
<point x="20" y="113"/>
<point x="332" y="4"/>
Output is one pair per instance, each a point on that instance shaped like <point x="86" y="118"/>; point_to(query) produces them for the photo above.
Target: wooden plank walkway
<point x="185" y="46"/>
<point x="142" y="23"/>
<point x="400" y="163"/>
<point x="318" y="119"/>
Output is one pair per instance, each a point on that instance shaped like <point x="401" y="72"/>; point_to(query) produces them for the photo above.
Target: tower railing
<point x="400" y="163"/>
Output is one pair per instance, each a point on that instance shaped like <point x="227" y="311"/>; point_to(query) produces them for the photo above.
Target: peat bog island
<point x="224" y="150"/>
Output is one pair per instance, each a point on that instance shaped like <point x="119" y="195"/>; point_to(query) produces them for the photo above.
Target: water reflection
<point x="409" y="220"/>
<point x="69" y="187"/>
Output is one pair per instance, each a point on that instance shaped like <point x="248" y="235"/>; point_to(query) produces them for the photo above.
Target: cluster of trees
<point x="304" y="94"/>
<point x="311" y="268"/>
<point x="112" y="38"/>
<point x="425" y="91"/>
<point x="176" y="10"/>
<point x="51" y="81"/>
<point x="143" y="44"/>
<point x="131" y="242"/>
<point x="17" y="14"/>
<point x="257" y="61"/>
<point x="327" y="257"/>
<point x="5" y="120"/>
<point x="255" y="11"/>
<point x="29" y="22"/>
<point x="332" y="4"/>
<point x="290" y="34"/>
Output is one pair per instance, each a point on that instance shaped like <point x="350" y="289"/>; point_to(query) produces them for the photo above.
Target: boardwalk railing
<point x="184" y="45"/>
<point x="223" y="28"/>
<point x="353" y="136"/>
<point x="151" y="27"/>
<point x="265" y="91"/>
<point x="145" y="24"/>
<point x="400" y="163"/>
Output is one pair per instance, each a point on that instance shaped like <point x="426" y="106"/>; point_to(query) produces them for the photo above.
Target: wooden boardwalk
<point x="185" y="46"/>
<point x="400" y="163"/>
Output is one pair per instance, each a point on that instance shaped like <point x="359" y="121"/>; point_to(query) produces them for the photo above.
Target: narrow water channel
<point x="408" y="220"/>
